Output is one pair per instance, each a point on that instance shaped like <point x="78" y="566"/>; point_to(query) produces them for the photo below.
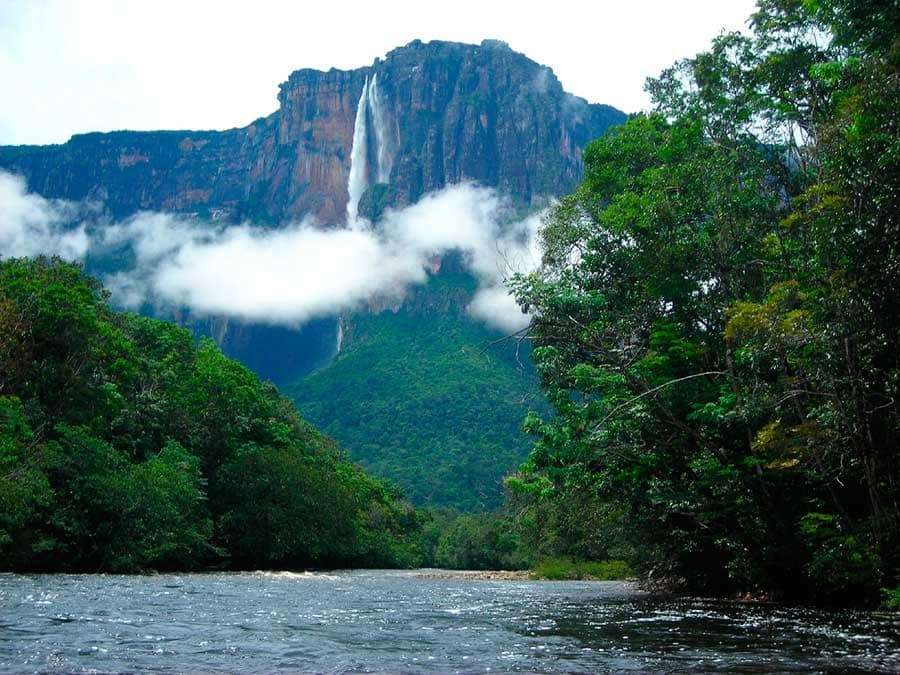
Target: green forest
<point x="716" y="330"/>
<point x="443" y="408"/>
<point x="717" y="320"/>
<point x="125" y="446"/>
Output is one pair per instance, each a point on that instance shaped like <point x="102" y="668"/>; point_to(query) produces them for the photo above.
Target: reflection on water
<point x="378" y="621"/>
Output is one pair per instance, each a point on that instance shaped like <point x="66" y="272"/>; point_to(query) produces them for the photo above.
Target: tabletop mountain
<point x="437" y="114"/>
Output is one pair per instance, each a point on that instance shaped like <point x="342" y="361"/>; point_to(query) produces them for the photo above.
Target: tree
<point x="717" y="314"/>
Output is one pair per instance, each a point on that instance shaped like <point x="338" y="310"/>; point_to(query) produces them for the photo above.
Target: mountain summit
<point x="452" y="112"/>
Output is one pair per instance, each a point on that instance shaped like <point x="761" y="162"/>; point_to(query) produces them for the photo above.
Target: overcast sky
<point x="83" y="65"/>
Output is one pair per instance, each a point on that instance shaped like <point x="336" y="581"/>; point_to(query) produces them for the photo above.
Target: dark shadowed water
<point x="390" y="621"/>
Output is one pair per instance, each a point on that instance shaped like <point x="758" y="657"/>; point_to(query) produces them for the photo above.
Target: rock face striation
<point x="447" y="112"/>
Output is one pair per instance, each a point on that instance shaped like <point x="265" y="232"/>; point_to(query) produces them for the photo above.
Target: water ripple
<point x="373" y="621"/>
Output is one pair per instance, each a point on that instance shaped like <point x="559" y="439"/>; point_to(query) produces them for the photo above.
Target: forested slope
<point x="125" y="446"/>
<point x="426" y="396"/>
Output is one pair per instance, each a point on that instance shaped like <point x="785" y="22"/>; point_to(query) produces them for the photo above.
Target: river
<point x="407" y="621"/>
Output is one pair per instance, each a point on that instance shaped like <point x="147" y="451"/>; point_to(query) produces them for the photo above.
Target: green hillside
<point x="125" y="446"/>
<point x="422" y="397"/>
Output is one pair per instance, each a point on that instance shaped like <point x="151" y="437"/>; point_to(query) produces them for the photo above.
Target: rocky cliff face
<point x="450" y="112"/>
<point x="484" y="113"/>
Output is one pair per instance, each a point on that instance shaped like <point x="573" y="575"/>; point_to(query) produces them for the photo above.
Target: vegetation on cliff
<point x="717" y="320"/>
<point x="420" y="396"/>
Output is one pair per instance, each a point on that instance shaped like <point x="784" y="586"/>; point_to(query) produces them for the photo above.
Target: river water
<point x="406" y="621"/>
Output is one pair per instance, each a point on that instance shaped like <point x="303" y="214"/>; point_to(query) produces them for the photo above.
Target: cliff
<point x="450" y="112"/>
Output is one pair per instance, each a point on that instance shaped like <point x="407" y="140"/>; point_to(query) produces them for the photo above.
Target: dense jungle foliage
<point x="717" y="320"/>
<point x="125" y="446"/>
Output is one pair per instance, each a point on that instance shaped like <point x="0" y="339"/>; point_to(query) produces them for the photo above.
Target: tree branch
<point x="653" y="390"/>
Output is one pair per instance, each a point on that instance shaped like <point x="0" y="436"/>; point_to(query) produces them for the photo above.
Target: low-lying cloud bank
<point x="286" y="275"/>
<point x="31" y="225"/>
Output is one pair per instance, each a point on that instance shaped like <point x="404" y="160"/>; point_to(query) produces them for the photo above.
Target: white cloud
<point x="31" y="225"/>
<point x="290" y="274"/>
<point x="461" y="216"/>
<point x="156" y="235"/>
<point x="496" y="307"/>
<point x="516" y="250"/>
<point x="284" y="276"/>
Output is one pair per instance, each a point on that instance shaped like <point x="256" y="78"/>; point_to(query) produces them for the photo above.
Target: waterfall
<point x="370" y="103"/>
<point x="357" y="182"/>
<point x="380" y="127"/>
